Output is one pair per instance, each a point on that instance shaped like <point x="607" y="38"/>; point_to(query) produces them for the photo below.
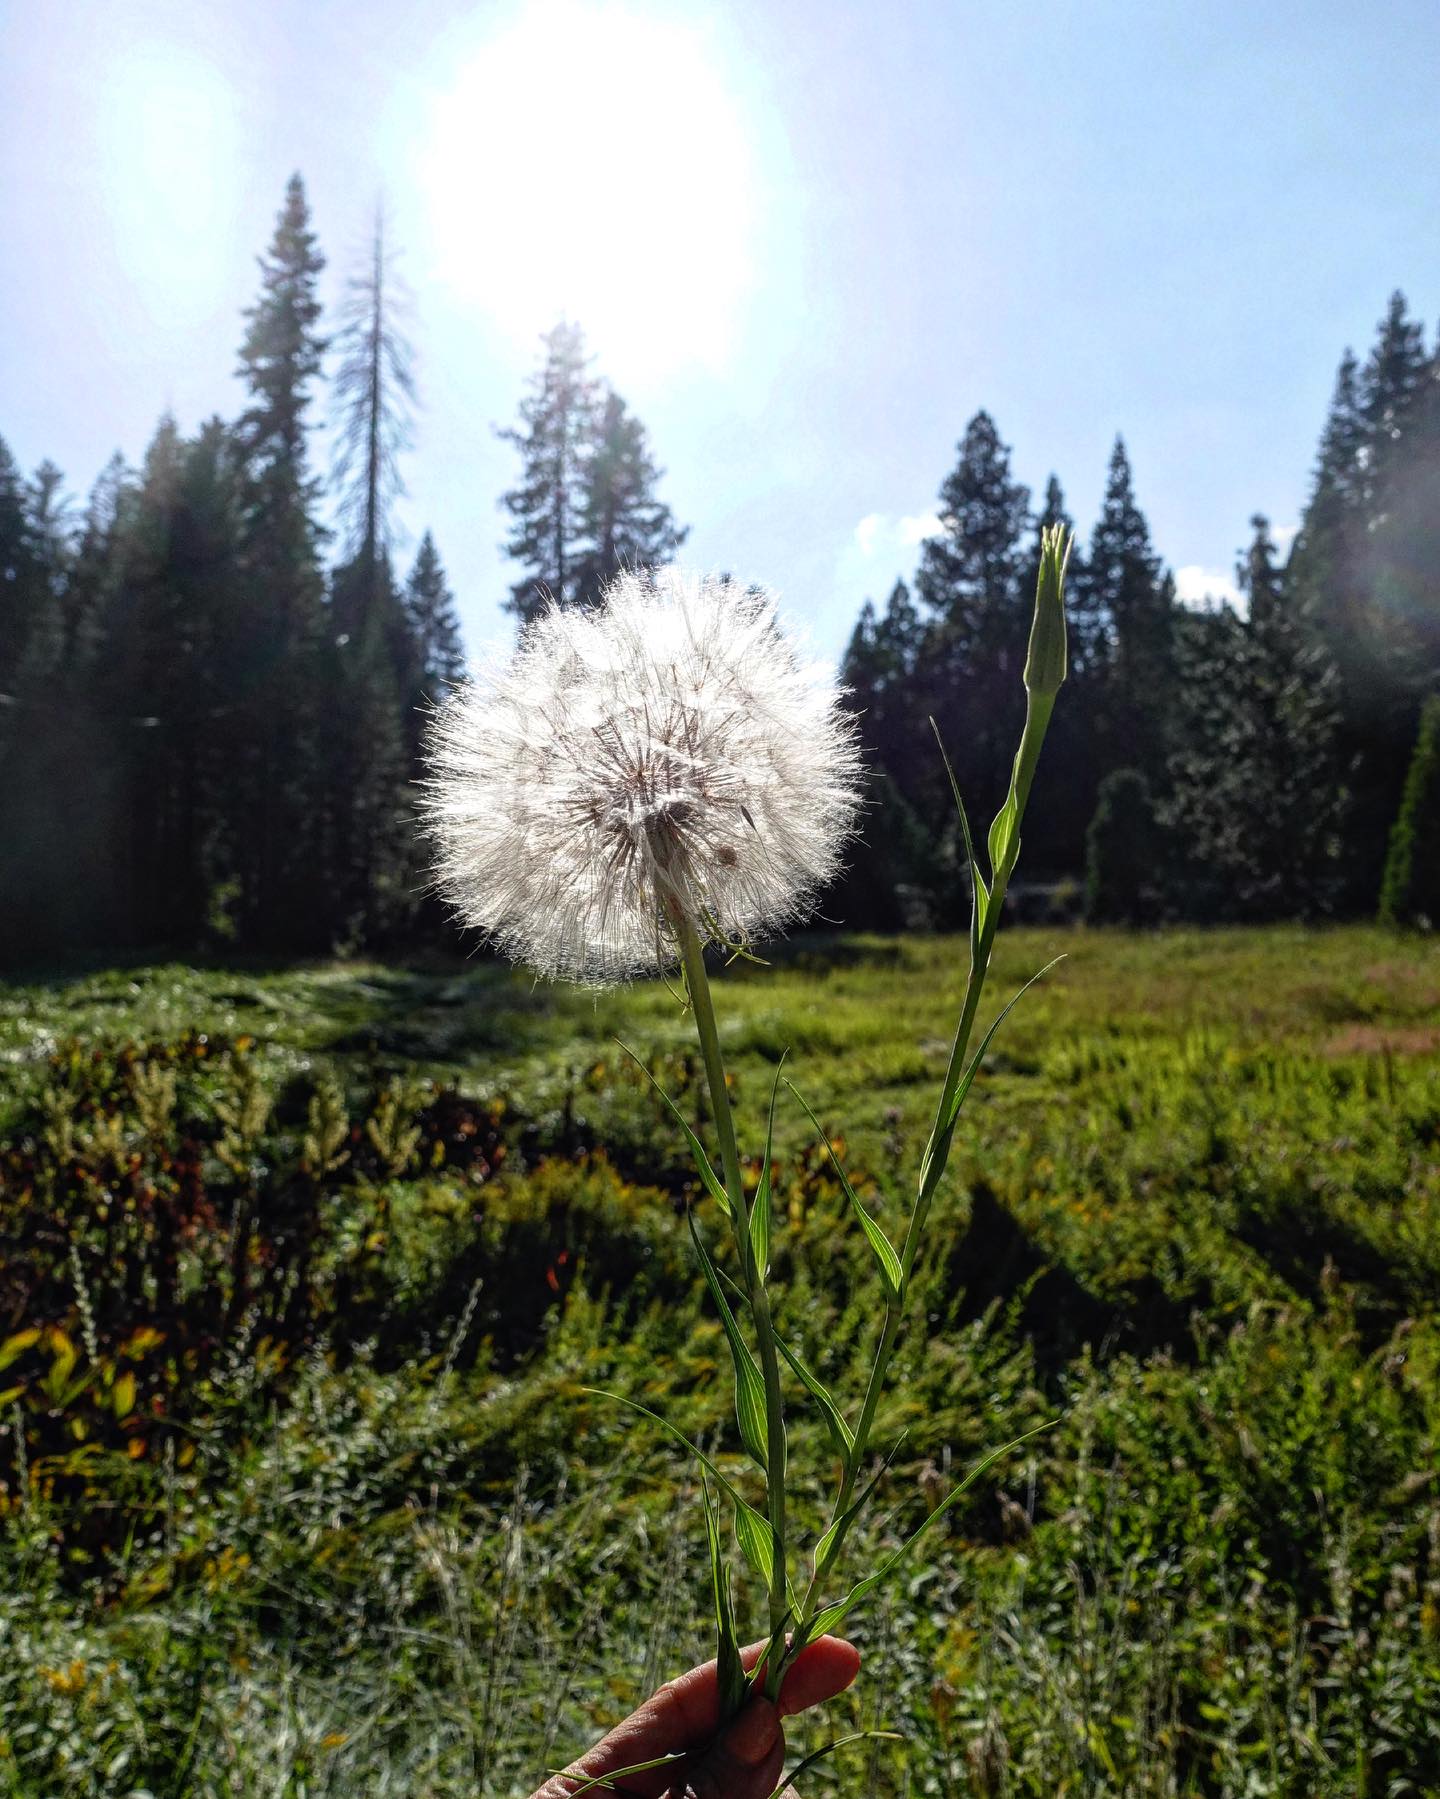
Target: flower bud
<point x="1046" y="663"/>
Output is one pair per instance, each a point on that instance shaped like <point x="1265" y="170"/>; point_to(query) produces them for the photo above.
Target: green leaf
<point x="713" y="1184"/>
<point x="879" y="1242"/>
<point x="1001" y="834"/>
<point x="840" y="1432"/>
<point x="729" y="1673"/>
<point x="777" y="1641"/>
<point x="750" y="1408"/>
<point x="842" y="1524"/>
<point x="752" y="1532"/>
<point x="938" y="1149"/>
<point x="989" y="1037"/>
<point x="833" y="1614"/>
<point x="608" y="1780"/>
<point x="818" y="1755"/>
<point x="14" y="1347"/>
<point x="760" y="1209"/>
<point x="980" y="893"/>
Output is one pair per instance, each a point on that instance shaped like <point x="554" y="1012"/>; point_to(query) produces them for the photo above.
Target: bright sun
<point x="590" y="163"/>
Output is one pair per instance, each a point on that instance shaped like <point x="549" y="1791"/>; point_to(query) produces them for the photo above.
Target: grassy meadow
<point x="303" y="1274"/>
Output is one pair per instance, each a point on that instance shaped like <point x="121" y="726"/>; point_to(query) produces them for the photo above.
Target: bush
<point x="1410" y="891"/>
<point x="1122" y="851"/>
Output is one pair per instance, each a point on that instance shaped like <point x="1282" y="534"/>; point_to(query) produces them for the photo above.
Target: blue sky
<point x="807" y="242"/>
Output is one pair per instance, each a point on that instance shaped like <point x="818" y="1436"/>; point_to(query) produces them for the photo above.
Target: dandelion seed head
<point x="670" y="749"/>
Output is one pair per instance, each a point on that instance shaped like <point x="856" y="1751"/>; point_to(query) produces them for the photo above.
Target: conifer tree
<point x="892" y="885"/>
<point x="161" y="683"/>
<point x="375" y="390"/>
<point x="970" y="581"/>
<point x="1130" y="608"/>
<point x="555" y="439"/>
<point x="1258" y="789"/>
<point x="1366" y="568"/>
<point x="1124" y="852"/>
<point x="278" y="815"/>
<point x="1410" y="890"/>
<point x="367" y="665"/>
<point x="623" y="522"/>
<point x="434" y="626"/>
<point x="21" y="574"/>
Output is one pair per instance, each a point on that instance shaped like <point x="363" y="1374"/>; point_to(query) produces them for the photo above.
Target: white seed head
<point x="669" y="749"/>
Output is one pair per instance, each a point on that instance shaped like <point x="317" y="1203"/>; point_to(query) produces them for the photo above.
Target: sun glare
<point x="590" y="163"/>
<point x="169" y="153"/>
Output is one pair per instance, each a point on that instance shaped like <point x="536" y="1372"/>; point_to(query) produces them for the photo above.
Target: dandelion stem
<point x="697" y="982"/>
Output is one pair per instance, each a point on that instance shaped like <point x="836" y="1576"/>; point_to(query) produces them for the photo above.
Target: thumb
<point x="746" y="1760"/>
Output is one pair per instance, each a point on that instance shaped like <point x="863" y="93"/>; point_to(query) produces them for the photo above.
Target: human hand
<point x="744" y="1762"/>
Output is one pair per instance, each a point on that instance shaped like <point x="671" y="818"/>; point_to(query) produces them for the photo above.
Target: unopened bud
<point x="1048" y="658"/>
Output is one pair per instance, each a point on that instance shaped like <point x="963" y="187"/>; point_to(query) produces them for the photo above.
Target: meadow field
<point x="304" y="1274"/>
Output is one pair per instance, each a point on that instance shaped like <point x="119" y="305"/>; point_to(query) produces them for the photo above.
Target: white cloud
<point x="1284" y="535"/>
<point x="1200" y="587"/>
<point x="917" y="528"/>
<point x="885" y="534"/>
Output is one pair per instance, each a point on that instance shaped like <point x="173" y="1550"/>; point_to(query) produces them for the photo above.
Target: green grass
<point x="357" y="1529"/>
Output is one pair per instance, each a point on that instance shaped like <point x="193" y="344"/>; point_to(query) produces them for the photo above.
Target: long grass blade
<point x="938" y="1147"/>
<point x="750" y="1408"/>
<point x="752" y="1531"/>
<point x="884" y="1252"/>
<point x="608" y="1780"/>
<point x="840" y="1432"/>
<point x="833" y="1614"/>
<point x="818" y="1755"/>
<point x="714" y="1186"/>
<point x="979" y="892"/>
<point x="761" y="1208"/>
<point x="843" y="1522"/>
<point x="729" y="1673"/>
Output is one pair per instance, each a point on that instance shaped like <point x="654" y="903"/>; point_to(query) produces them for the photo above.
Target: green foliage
<point x="1194" y="1212"/>
<point x="1258" y="791"/>
<point x="1123" y="852"/>
<point x="1410" y="890"/>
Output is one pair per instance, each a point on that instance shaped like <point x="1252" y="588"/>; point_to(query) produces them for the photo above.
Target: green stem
<point x="697" y="982"/>
<point x="1037" y="719"/>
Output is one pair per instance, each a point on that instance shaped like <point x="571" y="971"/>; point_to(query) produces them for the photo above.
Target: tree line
<point x="213" y="679"/>
<point x="1209" y="764"/>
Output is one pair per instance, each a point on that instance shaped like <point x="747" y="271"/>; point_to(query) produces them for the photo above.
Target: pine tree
<point x="1410" y="890"/>
<point x="1130" y="610"/>
<point x="555" y="439"/>
<point x="1123" y="852"/>
<point x="434" y="626"/>
<point x="1257" y="782"/>
<point x="622" y="522"/>
<point x="1366" y="568"/>
<point x="891" y="885"/>
<point x="970" y="581"/>
<point x="970" y="573"/>
<point x="278" y="810"/>
<point x="21" y="574"/>
<point x="367" y="665"/>
<point x="375" y="391"/>
<point x="160" y="683"/>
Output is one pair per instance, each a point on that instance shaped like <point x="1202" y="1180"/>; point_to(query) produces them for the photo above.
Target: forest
<point x="214" y="675"/>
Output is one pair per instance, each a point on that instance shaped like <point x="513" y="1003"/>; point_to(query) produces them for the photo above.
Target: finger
<point x="747" y="1759"/>
<point x="822" y="1669"/>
